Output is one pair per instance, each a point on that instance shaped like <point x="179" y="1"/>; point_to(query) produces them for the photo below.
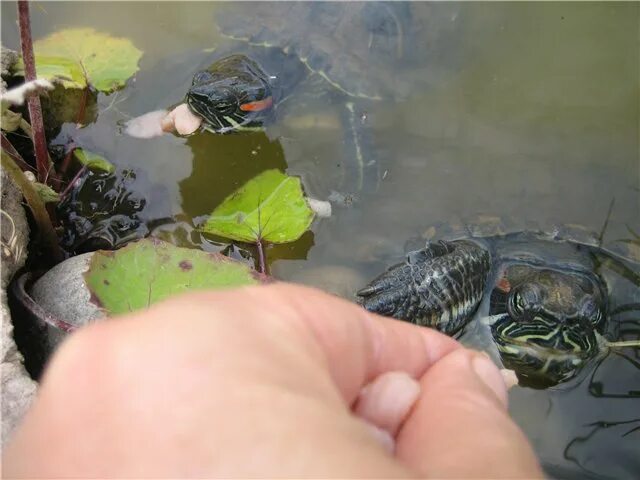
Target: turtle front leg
<point x="439" y="286"/>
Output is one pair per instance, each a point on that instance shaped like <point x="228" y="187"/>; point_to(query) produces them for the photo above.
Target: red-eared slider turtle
<point x="547" y="297"/>
<point x="349" y="52"/>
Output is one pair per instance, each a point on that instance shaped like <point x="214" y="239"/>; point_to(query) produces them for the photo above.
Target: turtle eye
<point x="532" y="297"/>
<point x="518" y="303"/>
<point x="590" y="311"/>
<point x="223" y="100"/>
<point x="224" y="107"/>
<point x="524" y="301"/>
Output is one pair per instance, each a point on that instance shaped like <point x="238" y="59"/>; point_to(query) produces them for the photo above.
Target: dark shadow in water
<point x="222" y="164"/>
<point x="616" y="432"/>
<point x="597" y="387"/>
<point x="297" y="250"/>
<point x="626" y="329"/>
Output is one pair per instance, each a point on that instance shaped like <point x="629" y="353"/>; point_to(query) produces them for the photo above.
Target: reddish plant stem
<point x="35" y="110"/>
<point x="62" y="171"/>
<point x="83" y="105"/>
<point x="261" y="257"/>
<point x="69" y="186"/>
<point x="19" y="288"/>
<point x="13" y="153"/>
<point x="52" y="179"/>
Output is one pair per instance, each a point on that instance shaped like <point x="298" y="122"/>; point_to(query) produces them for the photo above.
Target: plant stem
<point x="45" y="229"/>
<point x="261" y="258"/>
<point x="35" y="110"/>
<point x="57" y="181"/>
<point x="13" y="153"/>
<point x="69" y="186"/>
<point x="67" y="158"/>
<point x="83" y="106"/>
<point x="20" y="290"/>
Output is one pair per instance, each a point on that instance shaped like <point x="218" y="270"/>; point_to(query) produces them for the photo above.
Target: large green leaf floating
<point x="269" y="207"/>
<point x="151" y="270"/>
<point x="81" y="56"/>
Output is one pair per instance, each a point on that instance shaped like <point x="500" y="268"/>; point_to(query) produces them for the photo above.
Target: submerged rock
<point x="63" y="293"/>
<point x="50" y="309"/>
<point x="9" y="58"/>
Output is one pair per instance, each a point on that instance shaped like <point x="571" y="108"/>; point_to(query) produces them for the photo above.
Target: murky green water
<point x="533" y="114"/>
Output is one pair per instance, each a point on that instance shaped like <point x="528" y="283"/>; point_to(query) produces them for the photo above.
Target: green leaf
<point x="81" y="56"/>
<point x="150" y="270"/>
<point x="62" y="70"/>
<point x="46" y="193"/>
<point x="93" y="161"/>
<point x="269" y="207"/>
<point x="10" y="120"/>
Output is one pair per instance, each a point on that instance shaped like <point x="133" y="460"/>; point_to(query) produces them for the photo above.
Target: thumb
<point x="460" y="426"/>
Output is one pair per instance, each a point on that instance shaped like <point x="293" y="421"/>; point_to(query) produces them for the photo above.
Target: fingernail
<point x="387" y="400"/>
<point x="489" y="374"/>
<point x="383" y="437"/>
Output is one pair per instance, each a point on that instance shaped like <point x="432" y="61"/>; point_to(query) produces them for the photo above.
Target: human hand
<point x="271" y="381"/>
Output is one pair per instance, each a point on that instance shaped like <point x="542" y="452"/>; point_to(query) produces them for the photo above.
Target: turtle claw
<point x="387" y="294"/>
<point x="439" y="286"/>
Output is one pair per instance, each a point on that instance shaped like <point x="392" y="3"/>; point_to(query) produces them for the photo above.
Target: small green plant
<point x="268" y="208"/>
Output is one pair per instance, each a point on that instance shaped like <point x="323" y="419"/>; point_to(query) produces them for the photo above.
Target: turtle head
<point x="232" y="94"/>
<point x="547" y="326"/>
<point x="570" y="299"/>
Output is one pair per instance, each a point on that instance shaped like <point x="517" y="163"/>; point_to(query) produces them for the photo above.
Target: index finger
<point x="356" y="344"/>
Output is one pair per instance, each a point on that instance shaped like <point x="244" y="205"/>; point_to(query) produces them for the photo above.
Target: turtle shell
<point x="570" y="284"/>
<point x="502" y="232"/>
<point x="357" y="47"/>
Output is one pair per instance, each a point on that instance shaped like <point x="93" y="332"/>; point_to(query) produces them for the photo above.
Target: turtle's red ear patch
<point x="257" y="106"/>
<point x="504" y="285"/>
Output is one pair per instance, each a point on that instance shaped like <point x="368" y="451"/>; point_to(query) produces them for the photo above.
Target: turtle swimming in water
<point x="543" y="299"/>
<point x="346" y="53"/>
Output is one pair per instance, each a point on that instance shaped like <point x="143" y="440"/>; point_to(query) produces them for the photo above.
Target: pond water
<point x="527" y="111"/>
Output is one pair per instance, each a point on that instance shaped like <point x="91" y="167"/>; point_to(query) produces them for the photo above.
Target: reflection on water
<point x="604" y="435"/>
<point x="535" y="118"/>
<point x="221" y="164"/>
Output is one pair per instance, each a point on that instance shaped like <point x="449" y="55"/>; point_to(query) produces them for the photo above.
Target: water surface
<point x="533" y="114"/>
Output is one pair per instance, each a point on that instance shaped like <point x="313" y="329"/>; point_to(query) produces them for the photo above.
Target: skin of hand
<point x="269" y="381"/>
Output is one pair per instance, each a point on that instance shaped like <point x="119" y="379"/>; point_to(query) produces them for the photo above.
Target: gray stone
<point x="73" y="302"/>
<point x="9" y="58"/>
<point x="18" y="389"/>
<point x="14" y="230"/>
